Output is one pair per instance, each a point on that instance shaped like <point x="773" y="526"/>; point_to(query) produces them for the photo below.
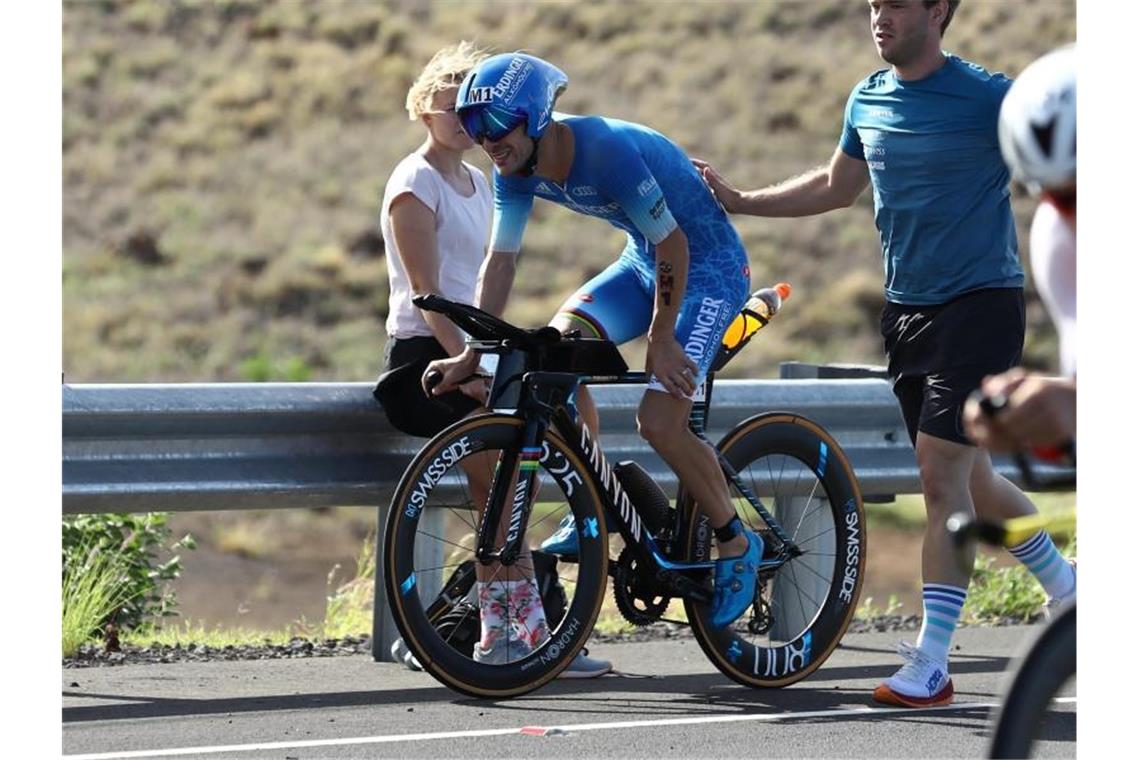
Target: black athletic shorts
<point x="400" y="392"/>
<point x="937" y="355"/>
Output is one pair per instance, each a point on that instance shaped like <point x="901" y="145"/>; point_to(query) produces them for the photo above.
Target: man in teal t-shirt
<point x="923" y="133"/>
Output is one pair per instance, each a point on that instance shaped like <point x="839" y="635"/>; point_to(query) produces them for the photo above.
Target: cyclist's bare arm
<point x="665" y="358"/>
<point x="822" y="189"/>
<point x="496" y="276"/>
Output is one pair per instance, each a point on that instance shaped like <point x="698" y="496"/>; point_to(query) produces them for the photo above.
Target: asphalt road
<point x="670" y="702"/>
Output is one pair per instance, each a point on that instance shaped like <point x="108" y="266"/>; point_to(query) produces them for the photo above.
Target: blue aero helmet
<point x="506" y="90"/>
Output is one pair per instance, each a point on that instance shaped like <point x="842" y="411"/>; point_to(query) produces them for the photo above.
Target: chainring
<point x="639" y="598"/>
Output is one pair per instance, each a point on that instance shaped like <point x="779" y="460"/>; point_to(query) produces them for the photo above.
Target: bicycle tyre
<point x="437" y="463"/>
<point x="763" y="450"/>
<point x="1048" y="664"/>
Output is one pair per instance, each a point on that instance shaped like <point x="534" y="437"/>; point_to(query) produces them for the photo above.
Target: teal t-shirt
<point x="941" y="188"/>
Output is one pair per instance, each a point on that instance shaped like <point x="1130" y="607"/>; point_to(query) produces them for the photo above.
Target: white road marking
<point x="563" y="729"/>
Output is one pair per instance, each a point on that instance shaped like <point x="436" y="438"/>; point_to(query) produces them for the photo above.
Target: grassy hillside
<point x="224" y="162"/>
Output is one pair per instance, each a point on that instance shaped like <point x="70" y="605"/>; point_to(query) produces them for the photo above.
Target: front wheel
<point x="431" y="532"/>
<point x="802" y="606"/>
<point x="1048" y="665"/>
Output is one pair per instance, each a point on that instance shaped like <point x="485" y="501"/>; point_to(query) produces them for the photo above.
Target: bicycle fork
<point x="515" y="479"/>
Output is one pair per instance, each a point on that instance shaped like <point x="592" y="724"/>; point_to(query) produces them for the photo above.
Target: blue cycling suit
<point x="642" y="183"/>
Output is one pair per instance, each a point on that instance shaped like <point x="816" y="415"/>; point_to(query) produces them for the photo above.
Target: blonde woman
<point x="436" y="219"/>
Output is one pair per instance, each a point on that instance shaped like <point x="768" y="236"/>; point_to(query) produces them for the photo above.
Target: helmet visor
<point x="488" y="123"/>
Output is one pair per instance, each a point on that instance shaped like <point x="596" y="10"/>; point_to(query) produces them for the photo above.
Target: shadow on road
<point x="704" y="690"/>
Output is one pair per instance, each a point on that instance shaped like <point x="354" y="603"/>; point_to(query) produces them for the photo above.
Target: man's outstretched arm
<point x="819" y="190"/>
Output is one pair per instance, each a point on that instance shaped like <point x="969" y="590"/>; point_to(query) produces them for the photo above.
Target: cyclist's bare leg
<point x="944" y="468"/>
<point x="663" y="421"/>
<point x="588" y="411"/>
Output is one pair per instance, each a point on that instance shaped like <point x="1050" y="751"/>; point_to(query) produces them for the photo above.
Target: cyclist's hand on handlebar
<point x="478" y="388"/>
<point x="730" y="198"/>
<point x="669" y="364"/>
<point x="445" y="375"/>
<point x="1036" y="411"/>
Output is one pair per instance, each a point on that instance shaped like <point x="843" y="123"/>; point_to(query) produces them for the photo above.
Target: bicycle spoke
<point x="446" y="541"/>
<point x="813" y="571"/>
<point x="809" y="539"/>
<point x="464" y="518"/>
<point x="799" y="596"/>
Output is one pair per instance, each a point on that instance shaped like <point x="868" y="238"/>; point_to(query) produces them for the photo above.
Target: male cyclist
<point x="923" y="134"/>
<point x="1038" y="131"/>
<point x="681" y="278"/>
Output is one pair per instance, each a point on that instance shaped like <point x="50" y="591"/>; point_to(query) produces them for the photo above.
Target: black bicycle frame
<point x="546" y="398"/>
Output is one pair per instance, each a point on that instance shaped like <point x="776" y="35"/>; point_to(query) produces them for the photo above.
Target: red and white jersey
<point x="1053" y="257"/>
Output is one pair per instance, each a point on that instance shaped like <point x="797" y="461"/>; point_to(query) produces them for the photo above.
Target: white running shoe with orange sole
<point x="921" y="682"/>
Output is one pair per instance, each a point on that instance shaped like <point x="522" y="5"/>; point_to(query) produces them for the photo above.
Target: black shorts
<point x="399" y="390"/>
<point x="937" y="355"/>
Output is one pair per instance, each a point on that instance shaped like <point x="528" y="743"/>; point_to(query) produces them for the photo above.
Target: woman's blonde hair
<point x="447" y="68"/>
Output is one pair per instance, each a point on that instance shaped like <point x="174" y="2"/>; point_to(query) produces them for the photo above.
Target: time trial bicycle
<point x="791" y="483"/>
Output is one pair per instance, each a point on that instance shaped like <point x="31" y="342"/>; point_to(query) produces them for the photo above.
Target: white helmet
<point x="1038" y="123"/>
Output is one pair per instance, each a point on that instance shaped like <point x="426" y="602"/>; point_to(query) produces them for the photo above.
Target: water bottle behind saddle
<point x="757" y="312"/>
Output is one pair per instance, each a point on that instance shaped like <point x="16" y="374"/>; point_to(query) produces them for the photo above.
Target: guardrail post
<point x="810" y="518"/>
<point x="803" y="516"/>
<point x="429" y="562"/>
<point x="383" y="626"/>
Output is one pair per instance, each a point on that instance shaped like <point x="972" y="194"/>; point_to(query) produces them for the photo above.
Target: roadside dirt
<point x="271" y="569"/>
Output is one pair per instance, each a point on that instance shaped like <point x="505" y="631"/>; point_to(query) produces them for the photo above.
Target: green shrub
<point x="121" y="552"/>
<point x="1010" y="593"/>
<point x="94" y="588"/>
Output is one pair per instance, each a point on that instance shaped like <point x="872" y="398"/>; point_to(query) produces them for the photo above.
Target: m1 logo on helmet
<point x="480" y="95"/>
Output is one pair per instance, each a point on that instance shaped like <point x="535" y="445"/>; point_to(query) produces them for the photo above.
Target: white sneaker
<point x="400" y="653"/>
<point x="1054" y="605"/>
<point x="502" y="651"/>
<point x="586" y="667"/>
<point x="921" y="682"/>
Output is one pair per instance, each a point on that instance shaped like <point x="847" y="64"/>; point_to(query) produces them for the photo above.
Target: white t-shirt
<point x="462" y="229"/>
<point x="1053" y="256"/>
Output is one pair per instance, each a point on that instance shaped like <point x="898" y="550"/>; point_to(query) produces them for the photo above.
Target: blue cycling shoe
<point x="564" y="541"/>
<point x="734" y="582"/>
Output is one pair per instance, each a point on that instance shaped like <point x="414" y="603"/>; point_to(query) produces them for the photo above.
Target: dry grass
<point x="252" y="140"/>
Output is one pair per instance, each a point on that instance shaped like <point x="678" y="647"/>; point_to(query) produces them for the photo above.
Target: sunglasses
<point x="488" y="123"/>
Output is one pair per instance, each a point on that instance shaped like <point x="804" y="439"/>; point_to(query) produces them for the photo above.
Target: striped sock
<point x="941" y="605"/>
<point x="1040" y="557"/>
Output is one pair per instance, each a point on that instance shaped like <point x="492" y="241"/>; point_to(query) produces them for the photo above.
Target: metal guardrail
<point x="133" y="448"/>
<point x="143" y="448"/>
<point x="139" y="448"/>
